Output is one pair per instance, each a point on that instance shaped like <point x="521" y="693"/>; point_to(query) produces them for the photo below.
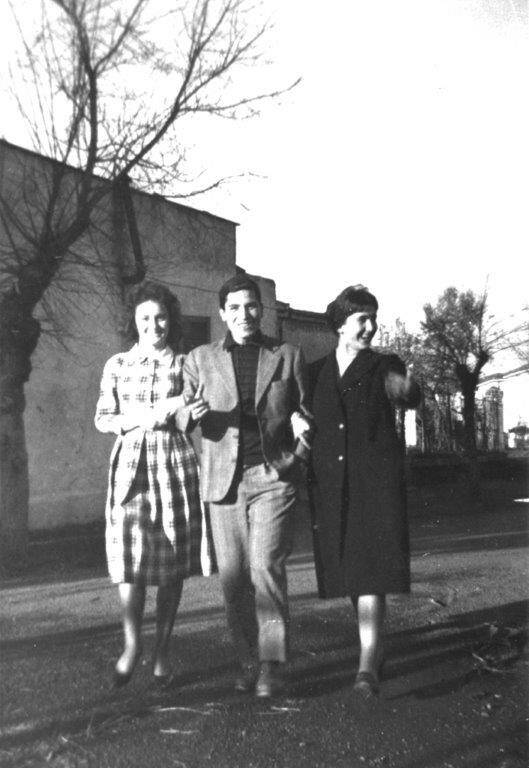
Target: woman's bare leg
<point x="132" y="604"/>
<point x="167" y="602"/>
<point x="370" y="610"/>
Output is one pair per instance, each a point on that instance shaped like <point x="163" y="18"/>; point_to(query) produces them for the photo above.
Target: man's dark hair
<point x="238" y="283"/>
<point x="354" y="298"/>
<point x="150" y="291"/>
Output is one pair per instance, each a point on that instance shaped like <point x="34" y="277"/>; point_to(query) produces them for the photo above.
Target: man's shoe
<point x="245" y="680"/>
<point x="271" y="681"/>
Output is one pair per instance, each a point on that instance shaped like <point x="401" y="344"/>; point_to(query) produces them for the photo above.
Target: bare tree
<point x="81" y="87"/>
<point x="519" y="341"/>
<point x="461" y="337"/>
<point x="436" y="382"/>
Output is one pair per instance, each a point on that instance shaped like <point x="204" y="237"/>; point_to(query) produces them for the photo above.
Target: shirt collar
<point x="258" y="340"/>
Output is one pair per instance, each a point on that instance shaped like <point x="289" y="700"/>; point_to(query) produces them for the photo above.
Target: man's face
<point x="242" y="314"/>
<point x="358" y="330"/>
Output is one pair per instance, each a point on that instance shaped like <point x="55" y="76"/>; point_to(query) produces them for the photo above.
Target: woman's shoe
<point x="161" y="662"/>
<point x="271" y="680"/>
<point x="163" y="681"/>
<point x="246" y="678"/>
<point x="367" y="684"/>
<point x="120" y="679"/>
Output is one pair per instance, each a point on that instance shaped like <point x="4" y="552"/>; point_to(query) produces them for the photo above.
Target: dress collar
<point x="163" y="356"/>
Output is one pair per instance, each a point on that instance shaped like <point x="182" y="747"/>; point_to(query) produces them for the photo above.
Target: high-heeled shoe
<point x="163" y="681"/>
<point x="120" y="679"/>
<point x="367" y="684"/>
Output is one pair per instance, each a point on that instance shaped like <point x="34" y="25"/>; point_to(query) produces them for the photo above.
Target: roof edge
<point x="155" y="195"/>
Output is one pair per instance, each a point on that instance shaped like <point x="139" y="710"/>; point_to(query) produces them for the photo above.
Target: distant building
<point x="513" y="384"/>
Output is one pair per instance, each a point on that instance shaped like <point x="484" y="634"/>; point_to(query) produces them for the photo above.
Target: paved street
<point x="454" y="694"/>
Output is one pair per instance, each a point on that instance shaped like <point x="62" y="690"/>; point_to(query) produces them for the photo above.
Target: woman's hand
<point x="301" y="426"/>
<point x="402" y="388"/>
<point x="198" y="407"/>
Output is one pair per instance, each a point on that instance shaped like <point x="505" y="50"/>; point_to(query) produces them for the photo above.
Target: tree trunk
<point x="469" y="419"/>
<point x="19" y="333"/>
<point x="471" y="453"/>
<point x="14" y="487"/>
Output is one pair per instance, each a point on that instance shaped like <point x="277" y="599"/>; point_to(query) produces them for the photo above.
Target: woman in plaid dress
<point x="156" y="528"/>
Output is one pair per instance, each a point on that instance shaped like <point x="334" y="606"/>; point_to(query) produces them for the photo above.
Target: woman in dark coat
<point x="357" y="484"/>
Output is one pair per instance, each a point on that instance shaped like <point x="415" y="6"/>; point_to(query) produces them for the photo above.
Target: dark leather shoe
<point x="245" y="680"/>
<point x="271" y="681"/>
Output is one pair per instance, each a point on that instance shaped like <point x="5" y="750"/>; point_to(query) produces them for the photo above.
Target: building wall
<point x="308" y="329"/>
<point x="84" y="316"/>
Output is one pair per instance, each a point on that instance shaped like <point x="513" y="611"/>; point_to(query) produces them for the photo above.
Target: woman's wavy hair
<point x="151" y="291"/>
<point x="354" y="298"/>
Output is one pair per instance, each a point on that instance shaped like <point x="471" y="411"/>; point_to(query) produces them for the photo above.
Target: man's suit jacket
<point x="280" y="390"/>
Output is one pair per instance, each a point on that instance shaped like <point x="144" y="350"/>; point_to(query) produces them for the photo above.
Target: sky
<point x="401" y="160"/>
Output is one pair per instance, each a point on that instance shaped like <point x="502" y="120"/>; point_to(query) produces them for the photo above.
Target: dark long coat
<point x="357" y="487"/>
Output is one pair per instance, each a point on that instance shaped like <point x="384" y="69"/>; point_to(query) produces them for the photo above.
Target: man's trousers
<point x="252" y="532"/>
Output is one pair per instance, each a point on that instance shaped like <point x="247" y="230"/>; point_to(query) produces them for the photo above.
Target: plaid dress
<point x="156" y="526"/>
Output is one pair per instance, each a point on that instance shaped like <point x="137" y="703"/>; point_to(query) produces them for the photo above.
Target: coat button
<point x="340" y="457"/>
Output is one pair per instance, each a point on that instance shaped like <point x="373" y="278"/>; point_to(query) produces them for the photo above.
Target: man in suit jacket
<point x="245" y="391"/>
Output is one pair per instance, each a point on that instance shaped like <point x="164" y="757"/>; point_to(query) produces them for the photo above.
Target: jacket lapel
<point x="268" y="362"/>
<point x="224" y="369"/>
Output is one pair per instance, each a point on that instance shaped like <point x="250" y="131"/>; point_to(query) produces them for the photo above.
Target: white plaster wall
<point x="68" y="458"/>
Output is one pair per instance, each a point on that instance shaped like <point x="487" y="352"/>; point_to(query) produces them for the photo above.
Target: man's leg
<point x="270" y="508"/>
<point x="229" y="525"/>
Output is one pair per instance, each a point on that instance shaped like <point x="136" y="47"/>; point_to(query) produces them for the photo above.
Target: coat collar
<point x="365" y="360"/>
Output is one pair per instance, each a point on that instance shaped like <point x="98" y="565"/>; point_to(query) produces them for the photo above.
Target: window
<point x="196" y="331"/>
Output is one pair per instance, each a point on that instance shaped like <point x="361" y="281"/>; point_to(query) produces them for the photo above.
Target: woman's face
<point x="152" y="323"/>
<point x="358" y="330"/>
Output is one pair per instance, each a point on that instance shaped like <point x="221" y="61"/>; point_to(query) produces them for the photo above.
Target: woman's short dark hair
<point x="354" y="298"/>
<point x="151" y="291"/>
<point x="238" y="283"/>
